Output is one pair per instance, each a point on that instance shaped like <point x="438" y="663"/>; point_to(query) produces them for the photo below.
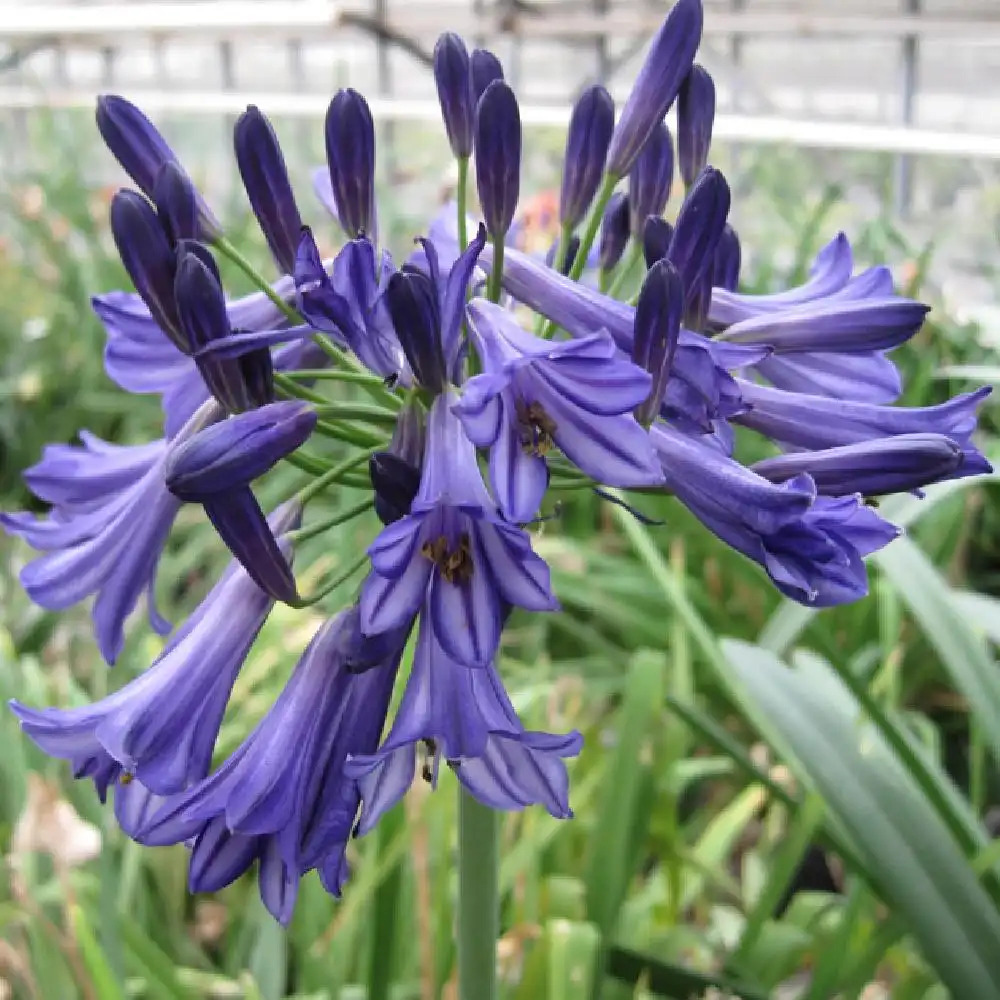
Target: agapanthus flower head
<point x="498" y="157"/>
<point x="535" y="395"/>
<point x="350" y="155"/>
<point x="142" y="151"/>
<point x="465" y="718"/>
<point x="282" y="797"/>
<point x="484" y="68"/>
<point x="454" y="552"/>
<point x="667" y="64"/>
<point x="650" y="179"/>
<point x="614" y="231"/>
<point x="695" y="117"/>
<point x="453" y="77"/>
<point x="590" y="126"/>
<point x="265" y="178"/>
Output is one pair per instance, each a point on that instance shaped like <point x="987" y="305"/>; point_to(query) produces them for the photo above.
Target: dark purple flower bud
<point x="350" y="154"/>
<point x="614" y="231"/>
<point x="265" y="178"/>
<point x="650" y="179"/>
<point x="235" y="452"/>
<point x="566" y="262"/>
<point x="656" y="236"/>
<point x="241" y="524"/>
<point x="657" y="329"/>
<point x="133" y="139"/>
<point x="149" y="259"/>
<point x="498" y="156"/>
<point x="176" y="203"/>
<point x="726" y="268"/>
<point x="452" y="75"/>
<point x="395" y="474"/>
<point x="416" y="317"/>
<point x="668" y="62"/>
<point x="873" y="468"/>
<point x="698" y="230"/>
<point x="141" y="150"/>
<point x="590" y="128"/>
<point x="695" y="115"/>
<point x="395" y="483"/>
<point x="201" y="307"/>
<point x="484" y="68"/>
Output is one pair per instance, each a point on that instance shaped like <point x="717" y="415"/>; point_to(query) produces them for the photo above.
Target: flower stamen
<point x="536" y="428"/>
<point x="455" y="564"/>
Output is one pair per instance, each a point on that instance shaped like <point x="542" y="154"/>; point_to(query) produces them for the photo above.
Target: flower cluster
<point x="486" y="419"/>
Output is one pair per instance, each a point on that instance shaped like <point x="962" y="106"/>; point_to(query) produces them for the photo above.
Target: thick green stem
<point x="461" y="195"/>
<point x="495" y="283"/>
<point x="478" y="899"/>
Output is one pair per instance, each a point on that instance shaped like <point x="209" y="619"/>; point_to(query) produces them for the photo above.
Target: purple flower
<point x="700" y="389"/>
<point x="453" y="78"/>
<point x="453" y="551"/>
<point x="265" y="178"/>
<point x="464" y="717"/>
<point x="141" y="150"/>
<point x="427" y="307"/>
<point x="110" y="521"/>
<point x="614" y="231"/>
<point x="160" y="728"/>
<point x="667" y="64"/>
<point x="883" y="465"/>
<point x="484" y="68"/>
<point x="350" y="304"/>
<point x="282" y="797"/>
<point x="837" y="367"/>
<point x="590" y="128"/>
<point x="350" y="155"/>
<point x="650" y="179"/>
<point x="577" y="395"/>
<point x="811" y="547"/>
<point x="818" y="422"/>
<point x="498" y="157"/>
<point x="216" y="466"/>
<point x="695" y="115"/>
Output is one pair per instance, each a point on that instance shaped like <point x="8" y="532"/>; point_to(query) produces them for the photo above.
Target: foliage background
<point x="741" y="829"/>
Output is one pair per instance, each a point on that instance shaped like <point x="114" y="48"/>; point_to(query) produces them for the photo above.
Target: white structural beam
<point x="728" y="127"/>
<point x="102" y="24"/>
